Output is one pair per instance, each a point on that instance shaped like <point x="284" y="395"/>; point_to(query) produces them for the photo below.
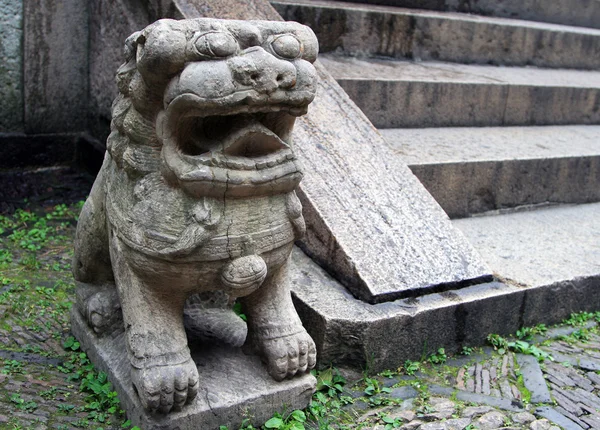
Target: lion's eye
<point x="216" y="44"/>
<point x="286" y="46"/>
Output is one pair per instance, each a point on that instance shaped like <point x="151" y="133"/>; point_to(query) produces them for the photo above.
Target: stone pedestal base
<point x="233" y="386"/>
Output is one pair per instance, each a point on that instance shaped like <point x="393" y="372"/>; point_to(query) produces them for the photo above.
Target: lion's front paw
<point x="167" y="387"/>
<point x="288" y="355"/>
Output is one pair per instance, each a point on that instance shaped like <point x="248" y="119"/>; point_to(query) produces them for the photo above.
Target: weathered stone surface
<point x="195" y="204"/>
<point x="466" y="396"/>
<point x="457" y="423"/>
<point x="473" y="170"/>
<point x="522" y="418"/>
<point x="234" y="385"/>
<point x="552" y="415"/>
<point x="584" y="13"/>
<point x="55" y="44"/>
<point x="522" y="248"/>
<point x="403" y="393"/>
<point x="357" y="30"/>
<point x="533" y="378"/>
<point x="542" y="424"/>
<point x="351" y="332"/>
<point x="571" y="416"/>
<point x="11" y="67"/>
<point x="491" y="420"/>
<point x="431" y="94"/>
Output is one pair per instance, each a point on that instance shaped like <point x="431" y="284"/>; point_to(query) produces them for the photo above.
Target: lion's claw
<point x="289" y="355"/>
<point x="166" y="388"/>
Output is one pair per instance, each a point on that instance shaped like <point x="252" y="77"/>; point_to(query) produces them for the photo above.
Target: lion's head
<point x="212" y="104"/>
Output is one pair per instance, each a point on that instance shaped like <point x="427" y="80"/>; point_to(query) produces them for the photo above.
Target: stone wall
<point x="11" y="66"/>
<point x="58" y="60"/>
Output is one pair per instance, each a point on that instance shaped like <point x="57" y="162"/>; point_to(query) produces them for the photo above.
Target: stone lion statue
<point x="195" y="204"/>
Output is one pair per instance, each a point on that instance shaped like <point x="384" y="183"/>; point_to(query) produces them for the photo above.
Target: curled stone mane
<point x="133" y="144"/>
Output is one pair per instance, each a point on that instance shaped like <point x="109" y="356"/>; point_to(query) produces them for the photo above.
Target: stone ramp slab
<point x="470" y="170"/>
<point x="370" y="221"/>
<point x="369" y="30"/>
<point x="233" y="386"/>
<point x="396" y="94"/>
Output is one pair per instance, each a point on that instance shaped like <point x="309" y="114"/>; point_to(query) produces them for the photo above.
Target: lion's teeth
<point x="261" y="164"/>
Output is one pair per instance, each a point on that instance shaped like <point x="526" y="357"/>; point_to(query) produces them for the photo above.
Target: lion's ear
<point x="131" y="44"/>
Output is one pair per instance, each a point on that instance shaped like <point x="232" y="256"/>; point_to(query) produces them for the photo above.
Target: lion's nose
<point x="261" y="71"/>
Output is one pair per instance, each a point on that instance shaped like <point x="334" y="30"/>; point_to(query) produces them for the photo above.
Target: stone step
<point x="474" y="170"/>
<point x="395" y="93"/>
<point x="367" y="30"/>
<point x="540" y="247"/>
<point x="549" y="260"/>
<point x="583" y="13"/>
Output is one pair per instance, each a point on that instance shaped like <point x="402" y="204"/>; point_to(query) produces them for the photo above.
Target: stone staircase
<point x="496" y="111"/>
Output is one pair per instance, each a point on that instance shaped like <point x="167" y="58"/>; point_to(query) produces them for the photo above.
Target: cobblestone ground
<point x="45" y="386"/>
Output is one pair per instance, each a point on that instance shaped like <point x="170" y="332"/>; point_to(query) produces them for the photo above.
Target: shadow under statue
<point x="195" y="207"/>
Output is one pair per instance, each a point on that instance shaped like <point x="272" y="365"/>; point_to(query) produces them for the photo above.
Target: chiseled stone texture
<point x="195" y="204"/>
<point x="11" y="66"/>
<point x="234" y="386"/>
<point x="55" y="65"/>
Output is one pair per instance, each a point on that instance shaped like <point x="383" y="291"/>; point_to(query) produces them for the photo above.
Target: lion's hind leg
<point x="96" y="297"/>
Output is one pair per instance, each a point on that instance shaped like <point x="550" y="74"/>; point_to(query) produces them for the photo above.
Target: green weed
<point x="438" y="357"/>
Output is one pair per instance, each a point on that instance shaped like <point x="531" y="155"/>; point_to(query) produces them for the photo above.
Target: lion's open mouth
<point x="242" y="141"/>
<point x="242" y="150"/>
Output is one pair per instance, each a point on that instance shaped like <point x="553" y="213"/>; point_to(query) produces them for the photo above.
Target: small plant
<point x="101" y="399"/>
<point x="411" y="367"/>
<point x="582" y="335"/>
<point x="466" y="350"/>
<point x="374" y="387"/>
<point x="330" y="382"/>
<point x="498" y="342"/>
<point x="21" y="404"/>
<point x="388" y="373"/>
<point x="579" y="319"/>
<point x="12" y="367"/>
<point x="294" y="421"/>
<point x="237" y="308"/>
<point x="503" y="345"/>
<point x="65" y="408"/>
<point x="390" y="422"/>
<point x="438" y="357"/>
<point x="527" y="333"/>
